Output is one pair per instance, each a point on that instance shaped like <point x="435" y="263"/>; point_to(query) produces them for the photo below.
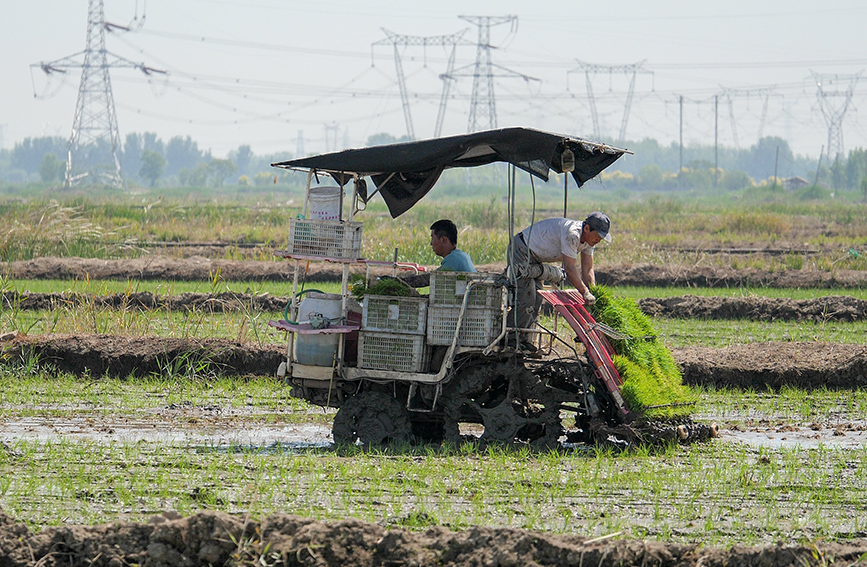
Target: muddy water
<point x="230" y="432"/>
<point x="760" y="430"/>
<point x="178" y="424"/>
<point x="133" y="431"/>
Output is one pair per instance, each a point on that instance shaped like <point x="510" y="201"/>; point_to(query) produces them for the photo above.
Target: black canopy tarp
<point x="404" y="173"/>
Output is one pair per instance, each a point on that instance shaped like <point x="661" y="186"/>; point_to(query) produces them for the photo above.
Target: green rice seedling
<point x="652" y="382"/>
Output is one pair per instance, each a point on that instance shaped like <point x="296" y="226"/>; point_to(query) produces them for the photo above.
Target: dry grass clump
<point x="52" y="230"/>
<point x="652" y="382"/>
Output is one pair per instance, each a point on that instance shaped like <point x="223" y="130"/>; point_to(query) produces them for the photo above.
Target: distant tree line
<point x="148" y="160"/>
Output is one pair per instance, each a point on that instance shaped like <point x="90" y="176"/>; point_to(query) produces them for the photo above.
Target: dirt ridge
<point x="218" y="538"/>
<point x="761" y="366"/>
<point x="819" y="309"/>
<point x="146" y="300"/>
<point x="773" y="365"/>
<point x="200" y="268"/>
<point x="125" y="356"/>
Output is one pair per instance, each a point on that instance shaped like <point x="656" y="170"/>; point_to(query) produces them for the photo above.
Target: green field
<point x="93" y="449"/>
<point x="717" y="493"/>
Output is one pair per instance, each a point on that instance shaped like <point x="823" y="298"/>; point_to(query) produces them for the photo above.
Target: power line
<point x="404" y="41"/>
<point x="95" y="121"/>
<point x="629" y="70"/>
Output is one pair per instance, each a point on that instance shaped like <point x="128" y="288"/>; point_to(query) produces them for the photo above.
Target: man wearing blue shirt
<point x="444" y="241"/>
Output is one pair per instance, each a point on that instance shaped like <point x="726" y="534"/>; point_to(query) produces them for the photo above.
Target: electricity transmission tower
<point x="834" y="102"/>
<point x="331" y="132"/>
<point x="483" y="106"/>
<point x="299" y="146"/>
<point x="404" y="41"/>
<point x="95" y="141"/>
<point x="592" y="68"/>
<point x="731" y="94"/>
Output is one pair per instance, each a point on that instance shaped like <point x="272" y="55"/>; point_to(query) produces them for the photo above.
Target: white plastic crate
<point x="390" y="351"/>
<point x="394" y="314"/>
<point x="325" y="238"/>
<point x="479" y="327"/>
<point x="448" y="288"/>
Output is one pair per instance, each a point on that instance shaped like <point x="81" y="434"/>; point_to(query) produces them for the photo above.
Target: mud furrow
<point x="820" y="309"/>
<point x="198" y="268"/>
<point x="145" y="300"/>
<point x="753" y="366"/>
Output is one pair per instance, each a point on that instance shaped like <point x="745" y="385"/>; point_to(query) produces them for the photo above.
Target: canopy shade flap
<point x="404" y="173"/>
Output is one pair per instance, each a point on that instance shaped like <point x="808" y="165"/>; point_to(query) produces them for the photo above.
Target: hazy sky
<point x="258" y="72"/>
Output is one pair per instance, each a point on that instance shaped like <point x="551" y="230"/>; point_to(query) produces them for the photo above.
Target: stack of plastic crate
<point x="325" y="238"/>
<point x="483" y="318"/>
<point x="392" y="334"/>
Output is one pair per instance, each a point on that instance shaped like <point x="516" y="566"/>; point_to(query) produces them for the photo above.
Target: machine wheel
<point x="427" y="429"/>
<point x="494" y="395"/>
<point x="375" y="418"/>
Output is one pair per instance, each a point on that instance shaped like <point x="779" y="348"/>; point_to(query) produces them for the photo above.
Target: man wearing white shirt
<point x="549" y="241"/>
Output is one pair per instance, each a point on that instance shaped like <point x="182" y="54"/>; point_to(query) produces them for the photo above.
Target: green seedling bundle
<point x="652" y="382"/>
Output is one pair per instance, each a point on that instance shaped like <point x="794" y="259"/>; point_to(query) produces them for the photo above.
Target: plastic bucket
<point x="320" y="349"/>
<point x="323" y="203"/>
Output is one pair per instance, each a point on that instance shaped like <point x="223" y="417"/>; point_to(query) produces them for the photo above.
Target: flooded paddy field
<point x="111" y="454"/>
<point x="124" y="460"/>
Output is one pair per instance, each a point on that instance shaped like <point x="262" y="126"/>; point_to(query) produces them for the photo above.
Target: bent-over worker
<point x="554" y="240"/>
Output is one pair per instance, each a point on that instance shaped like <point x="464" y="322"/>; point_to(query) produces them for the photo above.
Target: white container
<point x="392" y="351"/>
<point x="323" y="203"/>
<point x="318" y="349"/>
<point x="394" y="314"/>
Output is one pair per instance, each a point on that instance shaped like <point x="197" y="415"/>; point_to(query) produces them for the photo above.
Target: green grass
<point x="252" y="326"/>
<point x="239" y="326"/>
<point x="713" y="333"/>
<point x="787" y="403"/>
<point x="637" y="293"/>
<point x="660" y="229"/>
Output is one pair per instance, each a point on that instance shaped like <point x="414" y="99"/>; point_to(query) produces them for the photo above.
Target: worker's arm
<point x="582" y="277"/>
<point x="587" y="273"/>
<point x="573" y="273"/>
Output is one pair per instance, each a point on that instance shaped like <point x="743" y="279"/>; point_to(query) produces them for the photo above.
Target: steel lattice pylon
<point x="397" y="40"/>
<point x="834" y="102"/>
<point x="94" y="145"/>
<point x="592" y="68"/>
<point x="483" y="106"/>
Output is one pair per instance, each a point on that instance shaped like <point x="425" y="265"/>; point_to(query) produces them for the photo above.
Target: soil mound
<point x="753" y="366"/>
<point x="830" y="308"/>
<point x="652" y="275"/>
<point x="199" y="268"/>
<point x="216" y="538"/>
<point x="122" y="356"/>
<point x="196" y="268"/>
<point x="145" y="300"/>
<point x="761" y="366"/>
